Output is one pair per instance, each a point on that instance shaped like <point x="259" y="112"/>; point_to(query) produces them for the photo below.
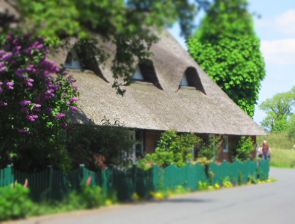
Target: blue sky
<point x="276" y="29"/>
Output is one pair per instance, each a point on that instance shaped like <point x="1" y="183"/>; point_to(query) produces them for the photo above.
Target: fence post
<point x="9" y="177"/>
<point x="82" y="168"/>
<point x="50" y="168"/>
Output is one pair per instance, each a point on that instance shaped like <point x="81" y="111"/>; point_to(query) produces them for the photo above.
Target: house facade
<point x="169" y="92"/>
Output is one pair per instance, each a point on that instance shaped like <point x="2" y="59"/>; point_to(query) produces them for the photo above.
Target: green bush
<point x="209" y="149"/>
<point x="245" y="149"/>
<point x="172" y="149"/>
<point x="110" y="140"/>
<point x="15" y="202"/>
<point x="87" y="197"/>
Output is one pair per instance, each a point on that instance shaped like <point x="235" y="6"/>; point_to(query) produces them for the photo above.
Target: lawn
<point x="283" y="152"/>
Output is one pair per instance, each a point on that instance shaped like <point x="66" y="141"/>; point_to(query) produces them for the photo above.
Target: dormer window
<point x="138" y="75"/>
<point x="145" y="72"/>
<point x="191" y="79"/>
<point x="72" y="61"/>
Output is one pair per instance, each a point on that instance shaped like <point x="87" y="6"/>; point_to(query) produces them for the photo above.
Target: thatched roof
<point x="144" y="106"/>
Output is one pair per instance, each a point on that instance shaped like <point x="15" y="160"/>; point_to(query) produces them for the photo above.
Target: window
<point x="138" y="75"/>
<point x="225" y="144"/>
<point x="72" y="61"/>
<point x="191" y="79"/>
<point x="138" y="146"/>
<point x="145" y="72"/>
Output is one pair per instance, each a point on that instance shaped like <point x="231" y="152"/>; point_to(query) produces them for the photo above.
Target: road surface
<point x="272" y="203"/>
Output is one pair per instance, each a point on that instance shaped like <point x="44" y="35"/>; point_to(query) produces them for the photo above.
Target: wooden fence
<point x="54" y="184"/>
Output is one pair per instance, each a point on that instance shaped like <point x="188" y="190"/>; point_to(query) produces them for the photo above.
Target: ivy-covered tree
<point x="227" y="48"/>
<point x="35" y="98"/>
<point x="130" y="25"/>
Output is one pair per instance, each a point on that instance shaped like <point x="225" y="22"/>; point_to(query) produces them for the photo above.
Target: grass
<point x="282" y="149"/>
<point x="284" y="158"/>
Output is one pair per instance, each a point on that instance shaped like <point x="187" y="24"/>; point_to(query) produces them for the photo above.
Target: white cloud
<point x="286" y="22"/>
<point x="279" y="51"/>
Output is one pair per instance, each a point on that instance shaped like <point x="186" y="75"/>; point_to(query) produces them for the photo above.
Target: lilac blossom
<point x="74" y="108"/>
<point x="32" y="117"/>
<point x="3" y="67"/>
<point x="25" y="102"/>
<point x="60" y="116"/>
<point x="10" y="85"/>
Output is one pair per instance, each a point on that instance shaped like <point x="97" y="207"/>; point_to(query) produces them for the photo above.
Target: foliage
<point x="112" y="141"/>
<point x="226" y="183"/>
<point x="171" y="149"/>
<point x="129" y="25"/>
<point x="227" y="48"/>
<point x="245" y="149"/>
<point x="209" y="149"/>
<point x="15" y="202"/>
<point x="279" y="110"/>
<point x="88" y="197"/>
<point x="203" y="185"/>
<point x="36" y="96"/>
<point x="291" y="128"/>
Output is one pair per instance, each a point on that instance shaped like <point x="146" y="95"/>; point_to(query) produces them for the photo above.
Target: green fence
<point x="54" y="184"/>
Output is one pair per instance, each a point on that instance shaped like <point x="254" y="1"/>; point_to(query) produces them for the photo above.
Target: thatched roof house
<point x="169" y="92"/>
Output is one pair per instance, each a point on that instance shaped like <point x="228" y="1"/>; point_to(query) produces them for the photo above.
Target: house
<point x="169" y="91"/>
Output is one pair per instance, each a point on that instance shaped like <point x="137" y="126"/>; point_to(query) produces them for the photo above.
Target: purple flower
<point x="50" y="66"/>
<point x="32" y="117"/>
<point x="74" y="108"/>
<point x="74" y="99"/>
<point x="37" y="105"/>
<point x="10" y="85"/>
<point x="60" y="116"/>
<point x="7" y="56"/>
<point x="1" y="90"/>
<point x="3" y="67"/>
<point x="31" y="69"/>
<point x="2" y="52"/>
<point x="20" y="72"/>
<point x="29" y="82"/>
<point x="25" y="102"/>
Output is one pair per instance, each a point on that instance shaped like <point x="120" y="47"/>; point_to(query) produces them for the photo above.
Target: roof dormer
<point x="145" y="72"/>
<point x="72" y="61"/>
<point x="191" y="79"/>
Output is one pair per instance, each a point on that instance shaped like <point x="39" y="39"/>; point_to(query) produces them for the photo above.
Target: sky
<point x="276" y="30"/>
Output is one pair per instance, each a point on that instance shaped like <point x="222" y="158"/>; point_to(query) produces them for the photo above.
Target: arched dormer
<point x="191" y="79"/>
<point x="145" y="72"/>
<point x="72" y="60"/>
<point x="83" y="60"/>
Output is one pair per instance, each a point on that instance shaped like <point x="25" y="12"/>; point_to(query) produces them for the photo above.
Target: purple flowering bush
<point x="36" y="95"/>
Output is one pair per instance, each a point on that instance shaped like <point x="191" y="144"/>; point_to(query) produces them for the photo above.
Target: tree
<point x="279" y="110"/>
<point x="35" y="97"/>
<point x="227" y="48"/>
<point x="130" y="25"/>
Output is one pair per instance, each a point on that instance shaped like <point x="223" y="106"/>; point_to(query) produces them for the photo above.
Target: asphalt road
<point x="265" y="203"/>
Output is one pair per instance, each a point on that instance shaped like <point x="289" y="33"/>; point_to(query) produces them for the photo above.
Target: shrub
<point x="171" y="149"/>
<point x="87" y="197"/>
<point x="209" y="149"/>
<point x="35" y="97"/>
<point x="15" y="202"/>
<point x="245" y="149"/>
<point x="112" y="141"/>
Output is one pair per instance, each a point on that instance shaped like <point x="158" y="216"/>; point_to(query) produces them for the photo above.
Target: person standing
<point x="265" y="150"/>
